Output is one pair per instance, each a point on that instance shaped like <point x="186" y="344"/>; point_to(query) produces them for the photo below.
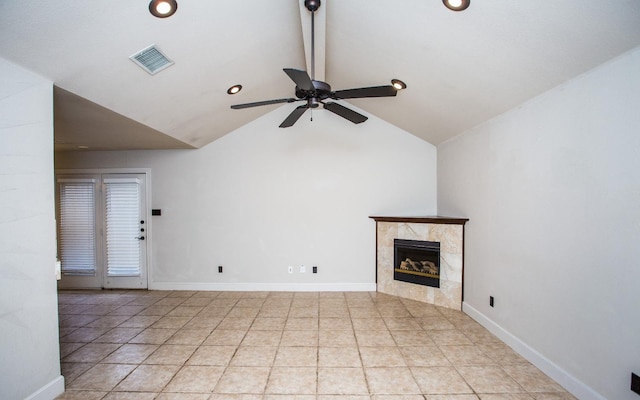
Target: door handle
<point x="140" y="238"/>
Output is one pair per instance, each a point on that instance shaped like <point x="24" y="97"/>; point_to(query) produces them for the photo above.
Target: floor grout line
<point x="376" y="324"/>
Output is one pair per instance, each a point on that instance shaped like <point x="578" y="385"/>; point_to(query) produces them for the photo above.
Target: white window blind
<point x="122" y="226"/>
<point x="77" y="243"/>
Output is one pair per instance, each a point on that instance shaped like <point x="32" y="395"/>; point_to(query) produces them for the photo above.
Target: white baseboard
<point x="574" y="386"/>
<point x="265" y="287"/>
<point x="49" y="391"/>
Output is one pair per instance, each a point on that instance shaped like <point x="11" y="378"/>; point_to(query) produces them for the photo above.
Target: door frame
<point x="147" y="195"/>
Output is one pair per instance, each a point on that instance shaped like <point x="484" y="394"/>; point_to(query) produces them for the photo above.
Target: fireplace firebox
<point x="417" y="261"/>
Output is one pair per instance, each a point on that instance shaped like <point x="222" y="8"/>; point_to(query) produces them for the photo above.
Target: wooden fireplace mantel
<point x="423" y="220"/>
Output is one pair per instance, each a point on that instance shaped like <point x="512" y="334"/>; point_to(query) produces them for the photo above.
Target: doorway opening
<point x="102" y="230"/>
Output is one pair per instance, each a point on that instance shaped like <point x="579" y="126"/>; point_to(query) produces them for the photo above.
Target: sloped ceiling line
<point x="461" y="68"/>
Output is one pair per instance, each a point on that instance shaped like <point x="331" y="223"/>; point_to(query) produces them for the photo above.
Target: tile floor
<point x="279" y="345"/>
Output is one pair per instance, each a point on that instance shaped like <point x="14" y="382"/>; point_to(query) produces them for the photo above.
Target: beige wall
<point x="29" y="355"/>
<point x="264" y="198"/>
<point x="552" y="191"/>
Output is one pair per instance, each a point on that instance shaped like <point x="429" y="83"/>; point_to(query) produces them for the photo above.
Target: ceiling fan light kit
<point x="163" y="8"/>
<point x="456" y="5"/>
<point x="314" y="92"/>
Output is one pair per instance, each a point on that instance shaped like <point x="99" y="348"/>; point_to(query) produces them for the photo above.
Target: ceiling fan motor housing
<point x="322" y="90"/>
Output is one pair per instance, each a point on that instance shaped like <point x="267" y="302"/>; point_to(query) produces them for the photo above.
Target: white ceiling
<point x="461" y="68"/>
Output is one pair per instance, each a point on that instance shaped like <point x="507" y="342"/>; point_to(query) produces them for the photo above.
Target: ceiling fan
<point x="315" y="92"/>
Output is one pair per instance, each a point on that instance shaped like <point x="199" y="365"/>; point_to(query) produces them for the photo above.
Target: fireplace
<point x="417" y="261"/>
<point x="447" y="231"/>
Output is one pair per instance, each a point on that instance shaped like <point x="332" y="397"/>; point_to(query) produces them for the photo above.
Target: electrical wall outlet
<point x="219" y="269"/>
<point x="303" y="269"/>
<point x="491" y="301"/>
<point x="315" y="269"/>
<point x="290" y="269"/>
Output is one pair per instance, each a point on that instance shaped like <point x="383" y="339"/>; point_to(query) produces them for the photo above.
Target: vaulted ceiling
<point x="461" y="68"/>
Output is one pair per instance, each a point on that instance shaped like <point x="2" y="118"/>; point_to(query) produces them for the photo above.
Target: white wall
<point x="263" y="198"/>
<point x="552" y="190"/>
<point x="29" y="355"/>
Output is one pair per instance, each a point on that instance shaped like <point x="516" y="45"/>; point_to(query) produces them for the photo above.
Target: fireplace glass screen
<point x="417" y="261"/>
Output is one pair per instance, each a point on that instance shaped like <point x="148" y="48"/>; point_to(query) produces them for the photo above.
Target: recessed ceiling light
<point x="456" y="5"/>
<point x="234" y="89"/>
<point x="398" y="84"/>
<point x="163" y="8"/>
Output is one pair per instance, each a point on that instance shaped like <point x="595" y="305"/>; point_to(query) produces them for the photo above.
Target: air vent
<point x="151" y="59"/>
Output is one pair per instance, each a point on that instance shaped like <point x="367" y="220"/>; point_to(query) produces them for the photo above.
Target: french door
<point x="102" y="230"/>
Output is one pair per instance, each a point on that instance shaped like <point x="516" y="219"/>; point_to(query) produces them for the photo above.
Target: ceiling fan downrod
<point x="313" y="5"/>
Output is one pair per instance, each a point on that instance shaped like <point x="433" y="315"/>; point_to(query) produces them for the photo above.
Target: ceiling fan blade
<point x="373" y="91"/>
<point x="301" y="78"/>
<point x="345" y="112"/>
<point x="262" y="103"/>
<point x="294" y="116"/>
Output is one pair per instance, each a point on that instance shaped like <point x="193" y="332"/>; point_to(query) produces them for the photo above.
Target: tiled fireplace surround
<point x="448" y="231"/>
